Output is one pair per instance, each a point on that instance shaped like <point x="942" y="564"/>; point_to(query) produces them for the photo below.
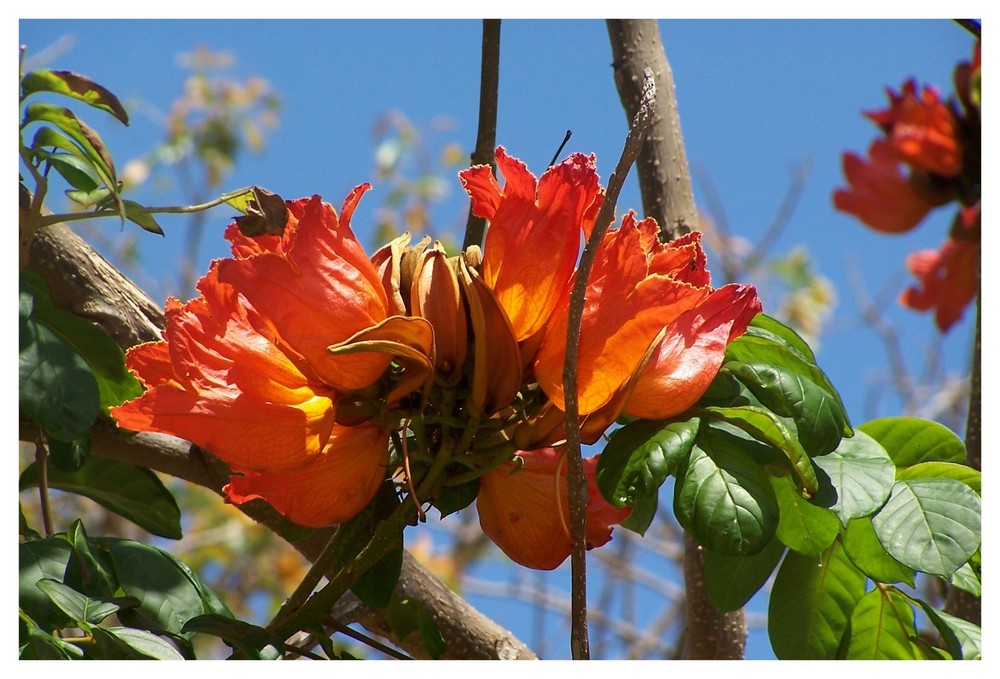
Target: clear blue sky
<point x="756" y="99"/>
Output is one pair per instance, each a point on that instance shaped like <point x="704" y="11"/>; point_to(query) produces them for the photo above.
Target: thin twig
<point x="330" y="622"/>
<point x="579" y="642"/>
<point x="486" y="137"/>
<point x="555" y="156"/>
<point x="972" y="26"/>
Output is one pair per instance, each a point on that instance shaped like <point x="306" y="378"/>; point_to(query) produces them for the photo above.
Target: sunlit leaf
<point x="931" y="525"/>
<point x="967" y="579"/>
<point x="725" y="499"/>
<point x="133" y="492"/>
<point x="868" y="554"/>
<point x="881" y="627"/>
<point x="856" y="478"/>
<point x="964" y="639"/>
<point x="40" y="645"/>
<point x="74" y="85"/>
<point x="127" y="643"/>
<point x="803" y="526"/>
<point x="731" y="581"/>
<point x="911" y="440"/>
<point x="77" y="172"/>
<point x="811" y="603"/>
<point x="973" y="478"/>
<point x="137" y="213"/>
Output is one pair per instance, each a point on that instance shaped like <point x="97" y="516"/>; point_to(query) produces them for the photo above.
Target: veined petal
<point x="331" y="489"/>
<point x="322" y="291"/>
<point x="525" y="511"/>
<point x="691" y="352"/>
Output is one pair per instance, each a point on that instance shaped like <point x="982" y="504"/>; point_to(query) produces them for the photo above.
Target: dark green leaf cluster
<point x="769" y="475"/>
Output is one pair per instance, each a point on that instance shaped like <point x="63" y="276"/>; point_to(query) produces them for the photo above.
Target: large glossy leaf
<point x="819" y="418"/>
<point x="803" y="526"/>
<point x="79" y="607"/>
<point x="731" y="581"/>
<point x="135" y="493"/>
<point x="37" y="560"/>
<point x="638" y="459"/>
<point x="40" y="645"/>
<point x="973" y="478"/>
<point x="74" y="85"/>
<point x="84" y="137"/>
<point x="811" y="603"/>
<point x="56" y="387"/>
<point x="911" y="440"/>
<point x="785" y="335"/>
<point x="963" y="638"/>
<point x="931" y="525"/>
<point x="763" y="425"/>
<point x="855" y="479"/>
<point x="725" y="499"/>
<point x="127" y="643"/>
<point x="882" y="627"/>
<point x="167" y="597"/>
<point x="90" y="570"/>
<point x="254" y="642"/>
<point x="869" y="555"/>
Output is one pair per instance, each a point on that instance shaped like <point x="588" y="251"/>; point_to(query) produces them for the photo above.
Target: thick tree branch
<point x="84" y="282"/>
<point x="667" y="195"/>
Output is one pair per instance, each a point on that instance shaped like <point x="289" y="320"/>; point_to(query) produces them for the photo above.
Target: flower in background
<point x="938" y="142"/>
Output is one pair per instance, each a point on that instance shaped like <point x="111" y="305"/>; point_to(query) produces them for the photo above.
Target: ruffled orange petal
<point x="524" y="511"/>
<point x="691" y="352"/>
<point x="332" y="489"/>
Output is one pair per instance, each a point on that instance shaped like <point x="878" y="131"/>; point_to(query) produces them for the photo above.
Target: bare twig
<point x="486" y="138"/>
<point x="577" y="481"/>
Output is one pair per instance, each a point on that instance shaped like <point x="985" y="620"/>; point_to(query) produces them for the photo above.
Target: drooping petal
<point x="320" y="292"/>
<point x="533" y="239"/>
<point x="880" y="196"/>
<point x="387" y="261"/>
<point x="524" y="511"/>
<point x="333" y="488"/>
<point x="691" y="352"/>
<point x="627" y="305"/>
<point x="947" y="280"/>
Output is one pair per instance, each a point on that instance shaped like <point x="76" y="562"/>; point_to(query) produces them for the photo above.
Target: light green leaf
<point x="856" y="478"/>
<point x="40" y="645"/>
<point x="868" y="554"/>
<point x="137" y="213"/>
<point x="911" y="440"/>
<point x="731" y="581"/>
<point x="882" y="627"/>
<point x="73" y="85"/>
<point x="973" y="478"/>
<point x="127" y="643"/>
<point x="811" y="602"/>
<point x="964" y="639"/>
<point x="803" y="526"/>
<point x="79" y="607"/>
<point x="931" y="525"/>
<point x="967" y="579"/>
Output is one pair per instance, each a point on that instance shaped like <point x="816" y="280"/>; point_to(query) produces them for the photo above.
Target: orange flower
<point x="525" y="511"/>
<point x="922" y="130"/>
<point x="879" y="195"/>
<point x="947" y="276"/>
<point x="637" y="287"/>
<point x="533" y="239"/>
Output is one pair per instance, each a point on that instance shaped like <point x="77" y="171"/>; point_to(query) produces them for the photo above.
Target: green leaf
<point x="725" y="499"/>
<point x="930" y="525"/>
<point x="855" y="479"/>
<point x="811" y="603"/>
<point x="803" y="526"/>
<point x="127" y="643"/>
<point x="911" y="440"/>
<point x="90" y="568"/>
<point x="455" y="498"/>
<point x="964" y="638"/>
<point x="137" y="213"/>
<point x="407" y="615"/>
<point x="57" y="389"/>
<point x="973" y="478"/>
<point x="167" y="597"/>
<point x="785" y="335"/>
<point x="69" y="455"/>
<point x="638" y="459"/>
<point x="254" y="642"/>
<point x="24" y="530"/>
<point x="967" y="579"/>
<point x="819" y="418"/>
<point x="135" y="493"/>
<point x="38" y="560"/>
<point x="79" y="607"/>
<point x="40" y="645"/>
<point x="84" y="137"/>
<point x="74" y="85"/>
<point x="88" y="199"/>
<point x="374" y="587"/>
<point x="882" y="627"/>
<point x="868" y="554"/>
<point x="768" y="428"/>
<point x="731" y="581"/>
<point x="78" y="172"/>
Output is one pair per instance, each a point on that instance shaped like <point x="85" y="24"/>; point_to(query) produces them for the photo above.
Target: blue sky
<point x="756" y="99"/>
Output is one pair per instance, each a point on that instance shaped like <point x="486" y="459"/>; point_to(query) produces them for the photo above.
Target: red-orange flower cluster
<point x="302" y="356"/>
<point x="939" y="143"/>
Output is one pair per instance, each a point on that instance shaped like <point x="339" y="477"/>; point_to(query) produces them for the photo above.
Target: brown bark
<point x="667" y="195"/>
<point x="85" y="283"/>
